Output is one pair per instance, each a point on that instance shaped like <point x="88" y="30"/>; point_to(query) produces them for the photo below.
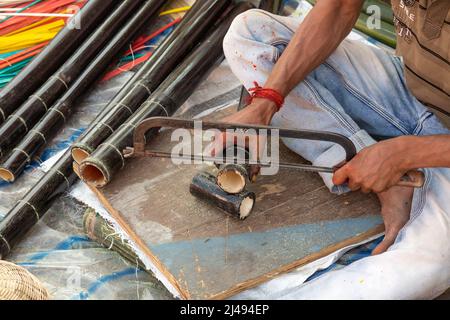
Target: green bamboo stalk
<point x="386" y="34"/>
<point x="102" y="232"/>
<point x="386" y="10"/>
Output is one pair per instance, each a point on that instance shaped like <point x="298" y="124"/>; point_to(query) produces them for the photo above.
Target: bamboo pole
<point x="240" y="205"/>
<point x="16" y="161"/>
<point x="53" y="56"/>
<point x="170" y="53"/>
<point x="100" y="166"/>
<point x="29" y="113"/>
<point x="272" y="6"/>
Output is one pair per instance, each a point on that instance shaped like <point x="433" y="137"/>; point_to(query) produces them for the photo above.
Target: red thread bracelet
<point x="266" y="93"/>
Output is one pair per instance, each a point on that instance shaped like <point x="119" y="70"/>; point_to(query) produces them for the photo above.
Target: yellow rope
<point x="176" y="10"/>
<point x="30" y="37"/>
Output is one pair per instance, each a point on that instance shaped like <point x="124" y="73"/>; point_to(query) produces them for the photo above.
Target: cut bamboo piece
<point x="99" y="168"/>
<point x="233" y="177"/>
<point x="53" y="56"/>
<point x="29" y="113"/>
<point x="57" y="115"/>
<point x="195" y="25"/>
<point x="239" y="205"/>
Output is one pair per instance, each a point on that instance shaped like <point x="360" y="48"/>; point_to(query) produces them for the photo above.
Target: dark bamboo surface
<point x="195" y="25"/>
<point x="57" y="115"/>
<point x="204" y="187"/>
<point x="53" y="56"/>
<point x="100" y="166"/>
<point x="29" y="113"/>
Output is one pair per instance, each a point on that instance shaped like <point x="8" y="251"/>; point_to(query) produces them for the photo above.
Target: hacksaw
<point x="413" y="178"/>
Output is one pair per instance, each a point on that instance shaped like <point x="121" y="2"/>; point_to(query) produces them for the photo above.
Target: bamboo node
<point x="160" y="105"/>
<point x="38" y="217"/>
<point x="60" y="113"/>
<point x="39" y="134"/>
<point x="41" y="100"/>
<point x="15" y="116"/>
<point x="63" y="175"/>
<point x="144" y="86"/>
<point x="100" y="123"/>
<point x="23" y="152"/>
<point x="126" y="107"/>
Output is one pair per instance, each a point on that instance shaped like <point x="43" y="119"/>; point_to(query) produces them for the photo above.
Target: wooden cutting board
<point x="207" y="254"/>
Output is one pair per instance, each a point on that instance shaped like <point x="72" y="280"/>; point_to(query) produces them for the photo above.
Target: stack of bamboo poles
<point x="165" y="80"/>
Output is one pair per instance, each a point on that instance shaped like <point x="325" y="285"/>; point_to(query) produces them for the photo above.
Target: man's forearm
<point x="329" y="22"/>
<point x="426" y="151"/>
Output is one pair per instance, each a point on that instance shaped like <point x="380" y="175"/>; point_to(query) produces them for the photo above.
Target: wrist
<point x="408" y="152"/>
<point x="265" y="108"/>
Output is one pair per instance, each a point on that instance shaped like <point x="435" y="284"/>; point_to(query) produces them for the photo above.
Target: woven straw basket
<point x="16" y="283"/>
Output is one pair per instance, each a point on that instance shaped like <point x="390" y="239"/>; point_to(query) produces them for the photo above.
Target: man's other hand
<point x="376" y="168"/>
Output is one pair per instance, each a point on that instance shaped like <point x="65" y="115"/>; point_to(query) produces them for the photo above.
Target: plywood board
<point x="207" y="254"/>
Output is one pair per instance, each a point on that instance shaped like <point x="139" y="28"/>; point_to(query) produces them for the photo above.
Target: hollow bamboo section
<point x="53" y="56"/>
<point x="195" y="25"/>
<point x="204" y="187"/>
<point x="234" y="172"/>
<point x="99" y="168"/>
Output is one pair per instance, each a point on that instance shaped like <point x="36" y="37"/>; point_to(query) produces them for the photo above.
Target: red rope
<point x="137" y="45"/>
<point x="266" y="93"/>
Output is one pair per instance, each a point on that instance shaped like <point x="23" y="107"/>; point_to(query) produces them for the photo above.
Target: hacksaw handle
<point x="412" y="179"/>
